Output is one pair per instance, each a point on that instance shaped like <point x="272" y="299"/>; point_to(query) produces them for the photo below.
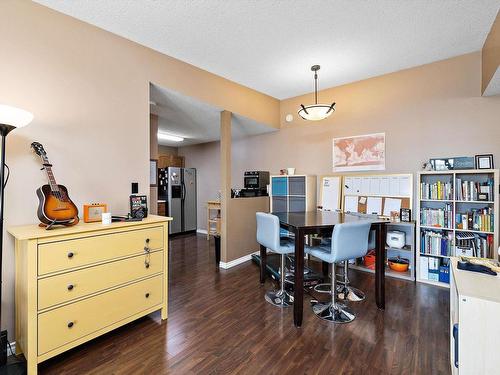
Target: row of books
<point x="469" y="190"/>
<point x="474" y="245"/>
<point x="437" y="190"/>
<point x="434" y="269"/>
<point x="437" y="217"/>
<point x="436" y="243"/>
<point x="476" y="219"/>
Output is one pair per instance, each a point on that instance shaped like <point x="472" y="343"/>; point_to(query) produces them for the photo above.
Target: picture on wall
<point x="359" y="153"/>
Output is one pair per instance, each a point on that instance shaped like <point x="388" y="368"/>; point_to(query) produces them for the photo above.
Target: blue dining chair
<point x="349" y="241"/>
<point x="268" y="235"/>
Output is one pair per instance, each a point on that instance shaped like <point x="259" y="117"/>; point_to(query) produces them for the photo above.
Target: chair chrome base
<point x="279" y="298"/>
<point x="353" y="294"/>
<point x="335" y="313"/>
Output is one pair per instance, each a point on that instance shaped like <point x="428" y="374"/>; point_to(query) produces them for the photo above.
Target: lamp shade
<point x="316" y="112"/>
<point x="15" y="117"/>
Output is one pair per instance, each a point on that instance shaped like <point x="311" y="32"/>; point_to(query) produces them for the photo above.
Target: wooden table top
<point x="322" y="219"/>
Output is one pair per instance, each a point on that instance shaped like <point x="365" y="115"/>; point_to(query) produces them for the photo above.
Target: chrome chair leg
<point x="280" y="298"/>
<point x="347" y="292"/>
<point x="333" y="311"/>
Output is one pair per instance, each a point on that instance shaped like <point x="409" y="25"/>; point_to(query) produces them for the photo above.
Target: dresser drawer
<point x="71" y="322"/>
<point x="63" y="255"/>
<point x="61" y="288"/>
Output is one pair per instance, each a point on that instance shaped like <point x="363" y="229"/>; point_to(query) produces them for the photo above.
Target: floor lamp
<point x="10" y="119"/>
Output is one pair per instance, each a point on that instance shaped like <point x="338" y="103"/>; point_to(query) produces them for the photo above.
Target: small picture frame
<point x="441" y="164"/>
<point x="153" y="172"/>
<point x="484" y="161"/>
<point x="405" y="214"/>
<point x="483" y="197"/>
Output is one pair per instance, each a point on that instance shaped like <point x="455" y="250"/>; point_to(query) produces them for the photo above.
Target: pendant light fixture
<point x="316" y="112"/>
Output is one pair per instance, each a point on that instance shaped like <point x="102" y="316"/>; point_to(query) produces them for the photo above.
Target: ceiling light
<point x="168" y="137"/>
<point x="316" y="112"/>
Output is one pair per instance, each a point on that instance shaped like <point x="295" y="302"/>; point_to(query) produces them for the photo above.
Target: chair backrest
<point x="350" y="240"/>
<point x="268" y="230"/>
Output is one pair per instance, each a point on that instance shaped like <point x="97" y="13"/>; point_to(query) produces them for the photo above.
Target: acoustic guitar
<point x="55" y="207"/>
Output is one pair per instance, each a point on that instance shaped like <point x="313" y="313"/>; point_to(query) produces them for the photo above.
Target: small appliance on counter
<point x="396" y="239"/>
<point x="256" y="179"/>
<point x="255" y="185"/>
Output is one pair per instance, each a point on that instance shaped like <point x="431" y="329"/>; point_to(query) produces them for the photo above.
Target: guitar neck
<point x="50" y="175"/>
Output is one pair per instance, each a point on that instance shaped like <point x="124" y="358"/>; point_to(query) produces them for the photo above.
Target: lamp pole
<point x="10" y="119"/>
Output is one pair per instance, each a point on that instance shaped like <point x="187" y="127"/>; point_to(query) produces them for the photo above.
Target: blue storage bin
<point x="279" y="186"/>
<point x="444" y="274"/>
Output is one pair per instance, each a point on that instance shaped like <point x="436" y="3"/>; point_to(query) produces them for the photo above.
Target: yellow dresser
<point x="74" y="284"/>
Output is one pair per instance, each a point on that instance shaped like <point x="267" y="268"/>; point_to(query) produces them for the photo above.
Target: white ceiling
<point x="270" y="45"/>
<point x="195" y="121"/>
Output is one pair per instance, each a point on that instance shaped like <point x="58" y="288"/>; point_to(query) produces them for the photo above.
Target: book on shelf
<point x="437" y="217"/>
<point x="474" y="244"/>
<point x="476" y="219"/>
<point x="435" y="269"/>
<point x="436" y="243"/>
<point x="437" y="191"/>
<point x="469" y="190"/>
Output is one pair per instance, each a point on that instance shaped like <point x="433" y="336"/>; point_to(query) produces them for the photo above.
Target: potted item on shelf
<point x="398" y="264"/>
<point x="369" y="259"/>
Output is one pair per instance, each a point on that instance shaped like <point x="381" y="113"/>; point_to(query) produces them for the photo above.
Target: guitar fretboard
<point x="50" y="176"/>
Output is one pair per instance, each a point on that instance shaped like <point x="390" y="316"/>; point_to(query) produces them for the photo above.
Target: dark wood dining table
<point x="323" y="222"/>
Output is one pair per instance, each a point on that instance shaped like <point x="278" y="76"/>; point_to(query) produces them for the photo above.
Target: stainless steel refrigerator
<point x="182" y="199"/>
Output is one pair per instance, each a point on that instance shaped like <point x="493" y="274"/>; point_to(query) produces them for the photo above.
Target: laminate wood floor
<point x="219" y="323"/>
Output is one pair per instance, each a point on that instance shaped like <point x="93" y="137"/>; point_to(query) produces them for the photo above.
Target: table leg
<point x="298" y="287"/>
<point x="263" y="263"/>
<point x="381" y="232"/>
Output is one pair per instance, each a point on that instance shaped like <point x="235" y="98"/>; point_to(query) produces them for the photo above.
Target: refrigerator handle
<point x="183" y="196"/>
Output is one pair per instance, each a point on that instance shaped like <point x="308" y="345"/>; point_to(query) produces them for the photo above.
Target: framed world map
<point x="359" y="153"/>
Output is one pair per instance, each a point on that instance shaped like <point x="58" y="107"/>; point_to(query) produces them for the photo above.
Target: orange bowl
<point x="399" y="264"/>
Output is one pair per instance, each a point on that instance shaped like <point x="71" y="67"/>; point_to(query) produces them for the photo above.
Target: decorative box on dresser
<point x="76" y="283"/>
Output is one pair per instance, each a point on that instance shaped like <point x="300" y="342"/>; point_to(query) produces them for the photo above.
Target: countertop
<point x="25" y="232"/>
<point x="474" y="284"/>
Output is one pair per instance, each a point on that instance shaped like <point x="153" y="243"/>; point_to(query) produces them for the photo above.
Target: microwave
<point x="256" y="179"/>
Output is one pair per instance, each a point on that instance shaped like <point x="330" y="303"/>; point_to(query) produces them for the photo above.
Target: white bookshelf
<point x="460" y="206"/>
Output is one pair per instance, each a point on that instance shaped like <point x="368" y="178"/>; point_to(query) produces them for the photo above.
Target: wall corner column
<point x="225" y="160"/>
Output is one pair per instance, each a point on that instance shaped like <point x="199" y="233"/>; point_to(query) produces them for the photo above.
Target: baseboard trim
<point x="233" y="263"/>
<point x="201" y="231"/>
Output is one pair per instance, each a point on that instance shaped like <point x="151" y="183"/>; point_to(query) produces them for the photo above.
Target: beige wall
<point x="242" y="226"/>
<point x="206" y="159"/>
<point x="89" y="92"/>
<point x="491" y="53"/>
<point x="430" y="111"/>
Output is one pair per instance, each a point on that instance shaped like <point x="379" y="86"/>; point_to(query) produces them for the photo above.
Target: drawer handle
<point x="147" y="240"/>
<point x="147" y="265"/>
<point x="147" y="295"/>
<point x="70" y="254"/>
<point x="70" y="287"/>
<point x="71" y="324"/>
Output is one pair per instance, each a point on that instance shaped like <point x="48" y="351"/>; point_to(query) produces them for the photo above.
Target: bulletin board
<point x="377" y="193"/>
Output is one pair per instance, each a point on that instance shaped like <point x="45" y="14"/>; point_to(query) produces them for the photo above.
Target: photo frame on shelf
<point x="484" y="161"/>
<point x="483" y="197"/>
<point x="441" y="164"/>
<point x="405" y="215"/>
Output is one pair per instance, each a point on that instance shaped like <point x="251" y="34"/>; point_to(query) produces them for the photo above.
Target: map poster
<point x="359" y="153"/>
